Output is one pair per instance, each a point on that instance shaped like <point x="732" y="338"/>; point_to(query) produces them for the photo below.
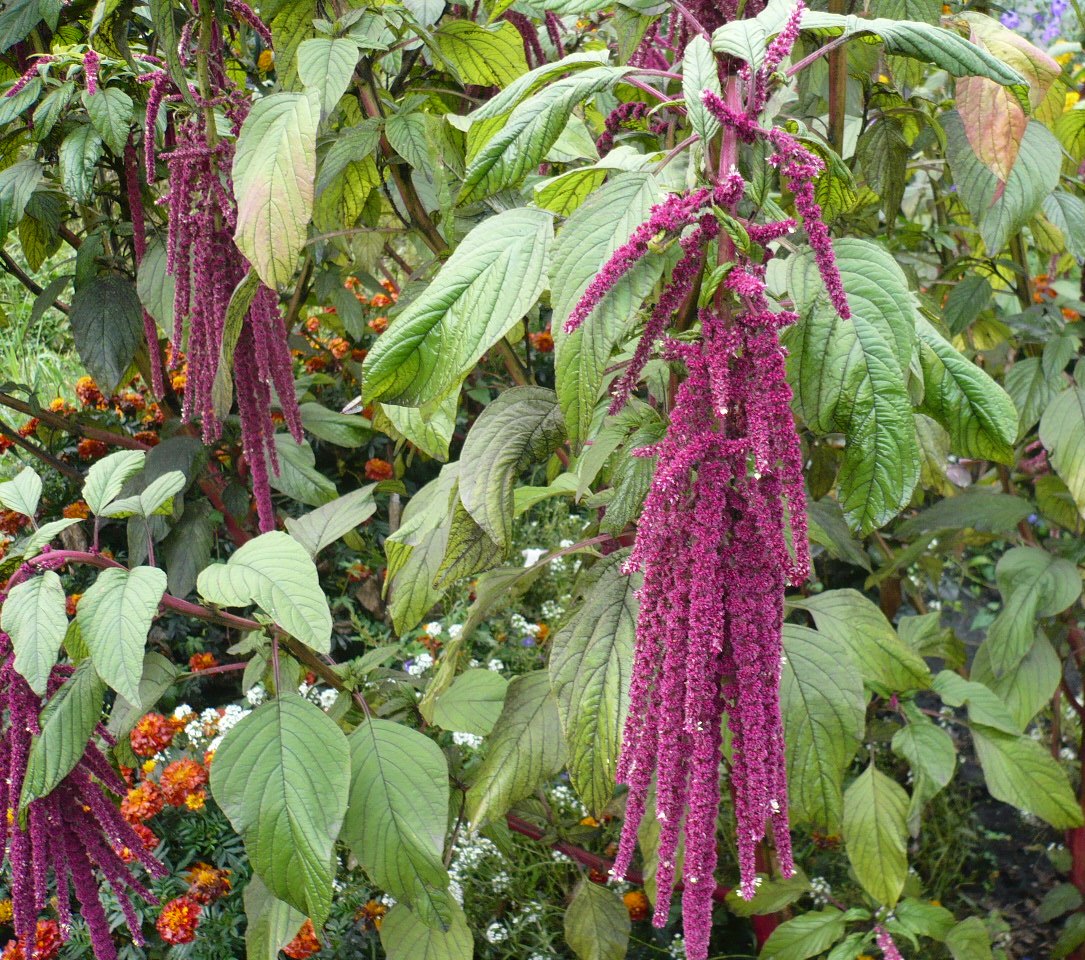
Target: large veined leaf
<point x="319" y="528"/>
<point x="824" y="712"/>
<point x="274" y="170"/>
<point x="276" y="573"/>
<point x="281" y="776"/>
<point x="807" y="935"/>
<point x="106" y="478"/>
<point x="107" y="325"/>
<point x="298" y="477"/>
<point x="17" y="185"/>
<point x="398" y="814"/>
<point x="67" y="724"/>
<point x="597" y="923"/>
<point x="431" y="431"/>
<point x="405" y="936"/>
<point x="33" y="615"/>
<point x="473" y="703"/>
<point x="920" y="41"/>
<point x="156" y="499"/>
<point x="591" y="661"/>
<point x="486" y="56"/>
<point x="1026" y="688"/>
<point x="1021" y="772"/>
<point x="530" y="131"/>
<point x="525" y="749"/>
<point x="158" y="675"/>
<point x="522" y="426"/>
<point x="79" y="156"/>
<point x="494" y="277"/>
<point x="326" y="66"/>
<point x="1032" y="391"/>
<point x="110" y="110"/>
<point x="114" y="617"/>
<point x="270" y="923"/>
<point x="468" y="549"/>
<point x="700" y="73"/>
<point x="998" y="209"/>
<point x="595" y="230"/>
<point x="993" y="116"/>
<point x="1062" y="431"/>
<point x="975" y="509"/>
<point x="849" y="376"/>
<point x="855" y="623"/>
<point x="876" y="834"/>
<point x="1033" y="584"/>
<point x="977" y="412"/>
<point x="984" y="707"/>
<point x="22" y="493"/>
<point x="930" y="753"/>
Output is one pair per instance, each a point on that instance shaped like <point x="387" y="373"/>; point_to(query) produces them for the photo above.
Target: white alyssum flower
<point x="677" y="948"/>
<point x="256" y="695"/>
<point x="328" y="698"/>
<point x="419" y="665"/>
<point x="471" y="740"/>
<point x="495" y="665"/>
<point x="184" y="710"/>
<point x="551" y="610"/>
<point x="820" y="891"/>
<point x="565" y="544"/>
<point x="433" y="629"/>
<point x="497" y="933"/>
<point x="454" y="630"/>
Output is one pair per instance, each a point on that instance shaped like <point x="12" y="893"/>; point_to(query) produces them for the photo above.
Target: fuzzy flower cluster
<point x="75" y="832"/>
<point x="723" y="530"/>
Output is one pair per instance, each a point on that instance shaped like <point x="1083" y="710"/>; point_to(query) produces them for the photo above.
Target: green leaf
<point x="928" y="749"/>
<point x="485" y="56"/>
<point x="79" y="156"/>
<point x="1059" y="900"/>
<point x="531" y="129"/>
<point x="1032" y="391"/>
<point x="155" y="286"/>
<point x="974" y="509"/>
<point x="468" y="550"/>
<point x="107" y="323"/>
<point x="1033" y="584"/>
<point x="342" y="429"/>
<point x="405" y="937"/>
<point x="32" y="545"/>
<point x="1062" y="432"/>
<point x="298" y="477"/>
<point x="156" y="499"/>
<point x="67" y="724"/>
<point x="859" y="627"/>
<point x="604" y="222"/>
<point x="110" y="111"/>
<point x="1028" y="687"/>
<point x="1001" y="213"/>
<point x="968" y="940"/>
<point x="805" y="936"/>
<point x="33" y="615"/>
<point x="984" y="706"/>
<point x="351" y="145"/>
<point x="484" y="289"/>
<point x="270" y="923"/>
<point x="107" y="477"/>
<point x="319" y="528"/>
<point x="977" y="412"/>
<point x="409" y="135"/>
<point x="188" y="547"/>
<point x="281" y="776"/>
<point x="430" y="432"/>
<point x="1067" y="212"/>
<point x="274" y="170"/>
<point x="1021" y="772"/>
<point x="824" y="713"/>
<point x="597" y="923"/>
<point x="567" y="191"/>
<point x="525" y="749"/>
<point x="849" y="376"/>
<point x="591" y="662"/>
<point x="17" y="185"/>
<point x="473" y="703"/>
<point x="23" y="493"/>
<point x="114" y="617"/>
<point x="325" y="66"/>
<point x="700" y="73"/>
<point x="1070" y="938"/>
<point x="876" y="834"/>
<point x="521" y="427"/>
<point x="398" y="814"/>
<point x="771" y="896"/>
<point x="919" y="41"/>
<point x="276" y="573"/>
<point x="883" y="153"/>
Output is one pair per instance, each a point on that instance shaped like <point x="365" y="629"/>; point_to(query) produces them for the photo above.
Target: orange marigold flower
<point x="47" y="943"/>
<point x="358" y="354"/>
<point x="178" y="920"/>
<point x="305" y="944"/>
<point x="351" y="283"/>
<point x="29" y="427"/>
<point x="589" y="822"/>
<point x="148" y="437"/>
<point x="377" y="469"/>
<point x="202" y="661"/>
<point x="142" y="802"/>
<point x="542" y="631"/>
<point x="59" y="405"/>
<point x="71" y="603"/>
<point x="357" y="572"/>
<point x="130" y="402"/>
<point x="316" y="364"/>
<point x="371" y="915"/>
<point x="146" y="835"/>
<point x="381" y="300"/>
<point x="151" y="734"/>
<point x="390" y="288"/>
<point x="154" y="415"/>
<point x="181" y="779"/>
<point x="542" y="342"/>
<point x="179" y="380"/>
<point x="89" y="449"/>
<point x="378" y="324"/>
<point x="265" y="61"/>
<point x="5" y="444"/>
<point x="76" y="511"/>
<point x="636" y="902"/>
<point x="312" y="324"/>
<point x="339" y="348"/>
<point x="88" y="393"/>
<point x="197" y="800"/>
<point x="12" y="522"/>
<point x="207" y="883"/>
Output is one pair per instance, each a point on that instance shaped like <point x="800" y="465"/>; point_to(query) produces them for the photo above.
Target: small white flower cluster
<point x="419" y="665"/>
<point x="1067" y="754"/>
<point x="470" y="740"/>
<point x="551" y="610"/>
<point x="677" y="948"/>
<point x="495" y="665"/>
<point x="454" y="630"/>
<point x="433" y="629"/>
<point x="497" y="933"/>
<point x="230" y="719"/>
<point x="470" y="853"/>
<point x="820" y="891"/>
<point x="558" y="857"/>
<point x="256" y="695"/>
<point x="563" y="797"/>
<point x="501" y="882"/>
<point x="325" y="699"/>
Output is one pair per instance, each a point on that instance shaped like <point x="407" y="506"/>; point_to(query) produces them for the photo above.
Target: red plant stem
<point x="76" y="429"/>
<point x="221" y="668"/>
<point x="586" y="858"/>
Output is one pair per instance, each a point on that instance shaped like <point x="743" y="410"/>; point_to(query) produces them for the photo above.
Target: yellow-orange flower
<point x="265" y="61"/>
<point x="371" y="915"/>
<point x="181" y="779"/>
<point x="381" y="300"/>
<point x="151" y="734"/>
<point x="196" y="800"/>
<point x="377" y="469"/>
<point x="71" y="603"/>
<point x="178" y="920"/>
<point x="202" y="661"/>
<point x="88" y="393"/>
<point x="207" y="883"/>
<point x="142" y="802"/>
<point x="636" y="903"/>
<point x="7" y="911"/>
<point x="76" y="511"/>
<point x="543" y="342"/>
<point x="89" y="449"/>
<point x="339" y="348"/>
<point x="378" y="324"/>
<point x="305" y="944"/>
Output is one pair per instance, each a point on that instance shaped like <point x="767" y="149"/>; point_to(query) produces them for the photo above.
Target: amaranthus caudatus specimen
<point x="723" y="530"/>
<point x="74" y="832"/>
<point x="208" y="268"/>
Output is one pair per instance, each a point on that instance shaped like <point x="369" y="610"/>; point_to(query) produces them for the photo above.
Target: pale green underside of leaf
<point x="405" y="936"/>
<point x="875" y="832"/>
<point x="33" y="616"/>
<point x="1062" y="430"/>
<point x="473" y="703"/>
<point x="597" y="923"/>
